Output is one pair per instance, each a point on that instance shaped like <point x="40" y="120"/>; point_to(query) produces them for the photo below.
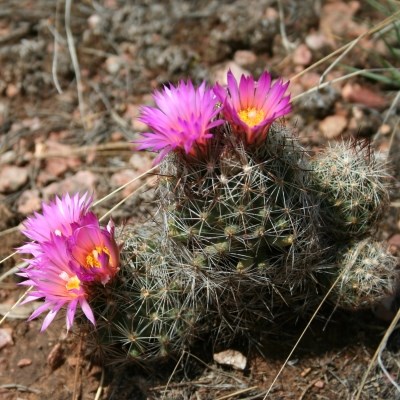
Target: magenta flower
<point x="95" y="255"/>
<point x="69" y="251"/>
<point x="251" y="107"/>
<point x="54" y="281"/>
<point x="182" y="120"/>
<point x="57" y="217"/>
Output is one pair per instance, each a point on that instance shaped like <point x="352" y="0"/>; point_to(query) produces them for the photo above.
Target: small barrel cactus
<point x="367" y="273"/>
<point x="352" y="186"/>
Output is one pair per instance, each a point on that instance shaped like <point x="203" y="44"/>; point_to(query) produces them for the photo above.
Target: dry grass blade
<point x="125" y="185"/>
<point x="55" y="55"/>
<point x="393" y="136"/>
<point x="82" y="150"/>
<point x="16" y="304"/>
<point x="8" y="257"/>
<point x="301" y="336"/>
<point x="74" y="59"/>
<point x="371" y="31"/>
<point x="237" y="393"/>
<point x="392" y="107"/>
<point x="126" y="198"/>
<point x="100" y="388"/>
<point x="342" y="78"/>
<point x="381" y="346"/>
<point x="13" y="270"/>
<point x="172" y="374"/>
<point x="10" y="230"/>
<point x="77" y="383"/>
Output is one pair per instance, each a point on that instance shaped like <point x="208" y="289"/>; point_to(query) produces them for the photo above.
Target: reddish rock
<point x="316" y="41"/>
<point x="319" y="384"/>
<point x="82" y="181"/>
<point x="337" y="20"/>
<point x="29" y="202"/>
<point x="355" y="93"/>
<point x="395" y="240"/>
<point x="24" y="362"/>
<point x="12" y="90"/>
<point x="12" y="178"/>
<point x="5" y="337"/>
<point x="332" y="126"/>
<point x="302" y="55"/>
<point x="310" y="80"/>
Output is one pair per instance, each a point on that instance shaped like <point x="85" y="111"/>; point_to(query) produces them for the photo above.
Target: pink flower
<point x="54" y="281"/>
<point x="251" y="107"/>
<point x="182" y="120"/>
<point x="70" y="251"/>
<point x="95" y="255"/>
<point x="57" y="217"/>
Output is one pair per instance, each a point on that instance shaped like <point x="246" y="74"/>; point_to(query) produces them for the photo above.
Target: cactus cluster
<point x="248" y="223"/>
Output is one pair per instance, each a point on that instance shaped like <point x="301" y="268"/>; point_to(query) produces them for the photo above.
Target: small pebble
<point x="5" y="337"/>
<point x="244" y="57"/>
<point x="319" y="384"/>
<point x="332" y="126"/>
<point x="302" y="55"/>
<point x="24" y="362"/>
<point x="12" y="178"/>
<point x="231" y="357"/>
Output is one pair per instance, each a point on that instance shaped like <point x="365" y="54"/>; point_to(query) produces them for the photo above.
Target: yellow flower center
<point x="251" y="116"/>
<point x="92" y="259"/>
<point x="73" y="283"/>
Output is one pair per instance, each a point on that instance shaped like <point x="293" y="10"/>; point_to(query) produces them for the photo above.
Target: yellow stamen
<point x="251" y="116"/>
<point x="92" y="259"/>
<point x="73" y="283"/>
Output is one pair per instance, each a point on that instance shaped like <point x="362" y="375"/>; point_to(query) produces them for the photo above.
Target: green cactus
<point x="352" y="186"/>
<point x="251" y="209"/>
<point x="367" y="273"/>
<point x="150" y="308"/>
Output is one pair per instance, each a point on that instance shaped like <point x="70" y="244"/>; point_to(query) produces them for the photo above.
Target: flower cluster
<point x="69" y="251"/>
<point x="184" y="116"/>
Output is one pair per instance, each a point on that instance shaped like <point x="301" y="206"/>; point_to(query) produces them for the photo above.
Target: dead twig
<point x="381" y="346"/>
<point x="302" y="334"/>
<point x="124" y="186"/>
<point x="100" y="388"/>
<point x="238" y="392"/>
<point x="77" y="382"/>
<point x="21" y="388"/>
<point x="16" y="304"/>
<point x="74" y="59"/>
<point x="371" y="31"/>
<point x="55" y="55"/>
<point x="111" y="210"/>
<point x="16" y="34"/>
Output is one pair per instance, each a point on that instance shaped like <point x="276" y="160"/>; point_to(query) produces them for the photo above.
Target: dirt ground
<point x="66" y="122"/>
